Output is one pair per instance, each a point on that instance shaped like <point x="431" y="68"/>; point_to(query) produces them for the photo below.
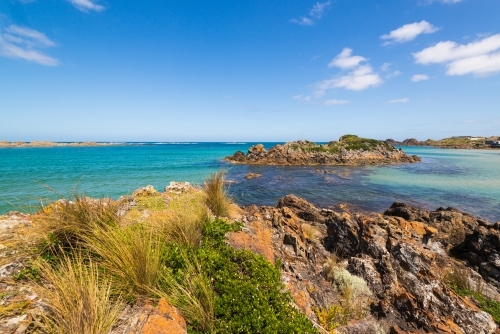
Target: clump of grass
<point x="458" y="279"/>
<point x="69" y="221"/>
<point x="77" y="297"/>
<point x="310" y="232"/>
<point x="331" y="265"/>
<point x="192" y="294"/>
<point x="132" y="256"/>
<point x="183" y="221"/>
<point x="217" y="199"/>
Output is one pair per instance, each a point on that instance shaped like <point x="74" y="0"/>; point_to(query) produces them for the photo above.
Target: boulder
<point x="178" y="187"/>
<point x="148" y="190"/>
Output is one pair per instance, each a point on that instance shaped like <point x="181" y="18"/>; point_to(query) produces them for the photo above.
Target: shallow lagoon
<point x="466" y="179"/>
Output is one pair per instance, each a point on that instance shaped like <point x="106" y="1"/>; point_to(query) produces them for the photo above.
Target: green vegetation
<point x="459" y="281"/>
<point x="348" y="142"/>
<point x="247" y="290"/>
<point x="31" y="272"/>
<point x="453" y="142"/>
<point x="93" y="261"/>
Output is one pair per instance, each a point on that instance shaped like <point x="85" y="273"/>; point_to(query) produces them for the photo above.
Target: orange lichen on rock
<point x="165" y="319"/>
<point x="258" y="245"/>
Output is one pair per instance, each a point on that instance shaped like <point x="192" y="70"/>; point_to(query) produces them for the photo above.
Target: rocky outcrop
<point x="403" y="255"/>
<point x="349" y="150"/>
<point x="463" y="235"/>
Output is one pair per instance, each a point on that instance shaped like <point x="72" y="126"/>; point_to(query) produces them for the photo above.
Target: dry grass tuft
<point x="70" y="221"/>
<point x="77" y="298"/>
<point x="310" y="232"/>
<point x="217" y="198"/>
<point x="132" y="256"/>
<point x="333" y="264"/>
<point x="183" y="220"/>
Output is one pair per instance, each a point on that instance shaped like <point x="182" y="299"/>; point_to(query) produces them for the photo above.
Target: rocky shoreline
<point x="349" y="150"/>
<point x="405" y="256"/>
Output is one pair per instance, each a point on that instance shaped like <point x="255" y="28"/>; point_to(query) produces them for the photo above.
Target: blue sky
<point x="107" y="70"/>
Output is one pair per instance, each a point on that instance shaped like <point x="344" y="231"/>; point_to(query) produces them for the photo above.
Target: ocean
<point x="468" y="180"/>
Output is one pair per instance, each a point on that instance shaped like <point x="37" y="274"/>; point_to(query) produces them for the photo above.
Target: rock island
<point x="348" y="150"/>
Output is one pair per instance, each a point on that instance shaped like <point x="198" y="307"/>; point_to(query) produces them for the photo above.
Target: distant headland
<point x="348" y="150"/>
<point x="38" y="143"/>
<point x="457" y="142"/>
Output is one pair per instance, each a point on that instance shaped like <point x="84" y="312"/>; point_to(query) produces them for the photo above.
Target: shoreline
<point x="399" y="252"/>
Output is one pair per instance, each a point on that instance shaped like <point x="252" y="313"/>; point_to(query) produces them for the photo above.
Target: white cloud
<point x="25" y="43"/>
<point x="479" y="65"/>
<point x="358" y="79"/>
<point x="335" y="102"/>
<point x="481" y="57"/>
<point x="409" y="32"/>
<point x="301" y="97"/>
<point x="393" y="74"/>
<point x="344" y="60"/>
<point x="303" y="21"/>
<point x="403" y="100"/>
<point x="385" y="66"/>
<point x="86" y="5"/>
<point x="319" y="8"/>
<point x="315" y="14"/>
<point x="419" y="77"/>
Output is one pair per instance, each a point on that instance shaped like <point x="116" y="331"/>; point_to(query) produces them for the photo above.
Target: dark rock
<point x="401" y="255"/>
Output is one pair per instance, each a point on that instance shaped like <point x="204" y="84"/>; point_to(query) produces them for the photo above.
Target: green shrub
<point x="248" y="291"/>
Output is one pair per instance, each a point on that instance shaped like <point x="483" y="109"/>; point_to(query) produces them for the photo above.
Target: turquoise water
<point x="466" y="179"/>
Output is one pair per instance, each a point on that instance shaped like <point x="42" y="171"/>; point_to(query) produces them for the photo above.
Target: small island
<point x="348" y="150"/>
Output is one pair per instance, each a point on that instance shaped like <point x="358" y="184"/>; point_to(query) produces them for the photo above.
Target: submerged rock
<point x="250" y="176"/>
